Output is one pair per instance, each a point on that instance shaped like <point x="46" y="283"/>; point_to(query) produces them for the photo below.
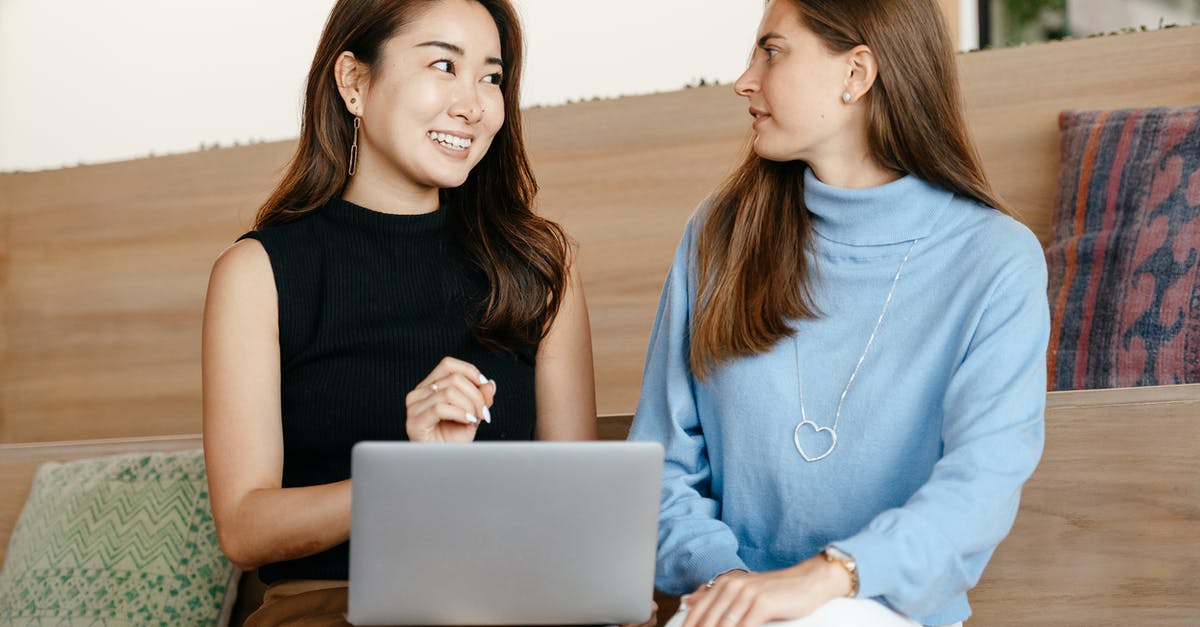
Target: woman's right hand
<point x="447" y="405"/>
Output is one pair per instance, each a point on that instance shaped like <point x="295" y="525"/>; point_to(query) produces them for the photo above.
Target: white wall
<point x="968" y="24"/>
<point x="85" y="81"/>
<point x="1086" y="17"/>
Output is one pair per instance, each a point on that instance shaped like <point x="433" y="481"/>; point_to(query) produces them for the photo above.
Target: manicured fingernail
<point x="482" y="379"/>
<point x="472" y="419"/>
<point x="487" y="416"/>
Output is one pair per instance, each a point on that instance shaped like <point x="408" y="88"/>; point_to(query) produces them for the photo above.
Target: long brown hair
<point x="753" y="270"/>
<point x="523" y="256"/>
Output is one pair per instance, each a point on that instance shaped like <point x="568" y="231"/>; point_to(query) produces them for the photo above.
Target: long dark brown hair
<point x="753" y="271"/>
<point x="523" y="256"/>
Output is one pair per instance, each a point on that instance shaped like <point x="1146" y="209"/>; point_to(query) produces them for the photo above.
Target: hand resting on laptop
<point x="840" y="612"/>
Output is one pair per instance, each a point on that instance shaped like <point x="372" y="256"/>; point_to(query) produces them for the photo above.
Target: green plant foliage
<point x="1034" y="20"/>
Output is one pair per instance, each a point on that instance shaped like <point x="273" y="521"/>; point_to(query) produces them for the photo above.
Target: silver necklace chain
<point x="832" y="430"/>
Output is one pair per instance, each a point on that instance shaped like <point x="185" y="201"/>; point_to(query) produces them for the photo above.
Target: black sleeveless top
<point x="369" y="303"/>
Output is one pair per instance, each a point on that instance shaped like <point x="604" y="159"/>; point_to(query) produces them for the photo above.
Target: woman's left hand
<point x="741" y="599"/>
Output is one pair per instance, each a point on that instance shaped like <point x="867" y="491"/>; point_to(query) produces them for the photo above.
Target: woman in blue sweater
<point x="847" y="364"/>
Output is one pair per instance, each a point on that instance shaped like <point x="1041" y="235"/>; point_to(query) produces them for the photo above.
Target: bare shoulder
<point x="241" y="262"/>
<point x="247" y="255"/>
<point x="242" y="275"/>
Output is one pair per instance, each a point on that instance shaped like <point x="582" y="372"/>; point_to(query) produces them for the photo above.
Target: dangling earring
<point x="846" y="97"/>
<point x="354" y="146"/>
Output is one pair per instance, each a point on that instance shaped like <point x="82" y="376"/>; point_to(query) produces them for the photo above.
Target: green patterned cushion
<point x="114" y="541"/>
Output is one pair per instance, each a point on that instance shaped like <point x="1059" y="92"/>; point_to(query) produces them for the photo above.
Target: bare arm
<point x="258" y="522"/>
<point x="565" y="382"/>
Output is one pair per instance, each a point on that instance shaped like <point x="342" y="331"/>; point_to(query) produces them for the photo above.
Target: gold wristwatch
<point x="834" y="554"/>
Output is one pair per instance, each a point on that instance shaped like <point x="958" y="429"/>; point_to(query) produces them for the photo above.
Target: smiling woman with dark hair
<point x="397" y="286"/>
<point x="847" y="370"/>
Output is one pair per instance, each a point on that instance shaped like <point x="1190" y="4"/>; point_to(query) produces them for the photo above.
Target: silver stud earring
<point x="846" y="97"/>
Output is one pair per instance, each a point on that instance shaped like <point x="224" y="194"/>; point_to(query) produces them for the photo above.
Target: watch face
<point x="833" y="553"/>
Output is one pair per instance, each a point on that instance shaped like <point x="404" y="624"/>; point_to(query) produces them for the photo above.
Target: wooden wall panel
<point x="103" y="268"/>
<point x="107" y="268"/>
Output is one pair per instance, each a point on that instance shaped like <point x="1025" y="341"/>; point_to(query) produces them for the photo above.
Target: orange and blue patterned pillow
<point x="1125" y="257"/>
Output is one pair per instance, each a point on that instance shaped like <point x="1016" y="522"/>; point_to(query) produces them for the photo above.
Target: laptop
<point x="503" y="533"/>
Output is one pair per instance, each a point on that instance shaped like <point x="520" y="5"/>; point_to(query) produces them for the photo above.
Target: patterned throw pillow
<point x="115" y="541"/>
<point x="1125" y="258"/>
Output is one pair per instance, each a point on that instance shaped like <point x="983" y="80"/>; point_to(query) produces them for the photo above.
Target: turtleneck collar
<point x="903" y="210"/>
<point x="342" y="210"/>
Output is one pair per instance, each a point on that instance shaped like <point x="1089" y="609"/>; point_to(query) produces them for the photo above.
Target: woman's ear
<point x="351" y="76"/>
<point x="861" y="71"/>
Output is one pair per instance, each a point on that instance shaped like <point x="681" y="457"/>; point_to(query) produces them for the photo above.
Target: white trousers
<point x="837" y="613"/>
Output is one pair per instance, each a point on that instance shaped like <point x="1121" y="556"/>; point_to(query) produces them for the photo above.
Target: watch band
<point x="834" y="554"/>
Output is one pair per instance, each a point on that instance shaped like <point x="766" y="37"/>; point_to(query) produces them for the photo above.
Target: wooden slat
<point x="1062" y="400"/>
<point x="1108" y="527"/>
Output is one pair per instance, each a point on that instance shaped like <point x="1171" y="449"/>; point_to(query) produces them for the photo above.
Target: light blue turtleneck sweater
<point x="940" y="428"/>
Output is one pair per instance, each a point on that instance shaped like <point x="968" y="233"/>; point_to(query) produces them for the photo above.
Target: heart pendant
<point x="817" y="429"/>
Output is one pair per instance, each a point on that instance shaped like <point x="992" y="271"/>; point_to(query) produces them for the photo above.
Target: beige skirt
<point x="302" y="602"/>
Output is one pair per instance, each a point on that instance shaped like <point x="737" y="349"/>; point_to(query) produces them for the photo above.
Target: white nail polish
<point x="472" y="419"/>
<point x="487" y="416"/>
<point x="482" y="380"/>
